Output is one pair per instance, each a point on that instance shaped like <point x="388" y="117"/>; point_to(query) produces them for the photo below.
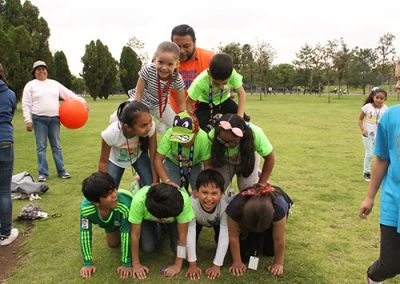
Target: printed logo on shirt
<point x="398" y="146"/>
<point x="117" y="223"/>
<point x="85" y="223"/>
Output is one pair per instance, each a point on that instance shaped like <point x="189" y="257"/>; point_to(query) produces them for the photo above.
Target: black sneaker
<point x="367" y="177"/>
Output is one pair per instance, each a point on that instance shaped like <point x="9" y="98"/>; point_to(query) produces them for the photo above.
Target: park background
<point x="312" y="128"/>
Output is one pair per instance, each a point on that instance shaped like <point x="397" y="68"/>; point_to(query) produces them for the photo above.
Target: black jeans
<point x="203" y="114"/>
<point x="255" y="244"/>
<point x="388" y="264"/>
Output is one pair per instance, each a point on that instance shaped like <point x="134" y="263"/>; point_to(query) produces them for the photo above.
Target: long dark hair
<point x="374" y="91"/>
<point x="127" y="113"/>
<point x="246" y="146"/>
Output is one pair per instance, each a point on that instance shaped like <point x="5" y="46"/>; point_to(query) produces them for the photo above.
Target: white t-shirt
<point x="121" y="146"/>
<point x="218" y="217"/>
<point x="42" y="98"/>
<point x="372" y="116"/>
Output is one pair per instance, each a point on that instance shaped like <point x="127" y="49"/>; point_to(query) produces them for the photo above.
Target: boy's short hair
<point x="164" y="201"/>
<point x="183" y="30"/>
<point x="210" y="176"/>
<point x="97" y="185"/>
<point x="221" y="66"/>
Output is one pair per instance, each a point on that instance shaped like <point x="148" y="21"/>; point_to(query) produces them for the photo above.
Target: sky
<point x="285" y="25"/>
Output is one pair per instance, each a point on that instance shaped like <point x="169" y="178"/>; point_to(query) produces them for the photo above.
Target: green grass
<point x="319" y="156"/>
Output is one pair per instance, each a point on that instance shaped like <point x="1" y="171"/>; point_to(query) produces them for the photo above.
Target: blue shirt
<point x="8" y="103"/>
<point x="387" y="147"/>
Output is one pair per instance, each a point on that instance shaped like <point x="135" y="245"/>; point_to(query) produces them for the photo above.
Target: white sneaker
<point x="6" y="240"/>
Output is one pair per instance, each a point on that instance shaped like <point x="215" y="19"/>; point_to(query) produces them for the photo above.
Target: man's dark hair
<point x="97" y="185"/>
<point x="212" y="177"/>
<point x="221" y="66"/>
<point x="164" y="201"/>
<point x="183" y="30"/>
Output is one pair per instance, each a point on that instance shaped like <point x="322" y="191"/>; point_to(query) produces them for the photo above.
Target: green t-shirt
<point x="117" y="219"/>
<point x="261" y="142"/>
<point x="139" y="212"/>
<point x="200" y="88"/>
<point x="201" y="149"/>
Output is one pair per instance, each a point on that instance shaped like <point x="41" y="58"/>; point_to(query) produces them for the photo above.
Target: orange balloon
<point x="73" y="114"/>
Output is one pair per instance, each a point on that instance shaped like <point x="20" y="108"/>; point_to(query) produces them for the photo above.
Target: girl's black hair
<point x="164" y="201"/>
<point x="374" y="91"/>
<point x="246" y="146"/>
<point x="128" y="112"/>
<point x="256" y="217"/>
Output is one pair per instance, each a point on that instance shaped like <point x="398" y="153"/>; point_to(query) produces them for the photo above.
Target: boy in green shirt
<point x="212" y="88"/>
<point x="108" y="209"/>
<point x="160" y="203"/>
<point x="183" y="152"/>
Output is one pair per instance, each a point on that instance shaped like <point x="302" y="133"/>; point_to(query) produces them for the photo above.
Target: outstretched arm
<point x="104" y="155"/>
<point x="242" y="101"/>
<point x="269" y="162"/>
<point x="278" y="235"/>
<point x="238" y="267"/>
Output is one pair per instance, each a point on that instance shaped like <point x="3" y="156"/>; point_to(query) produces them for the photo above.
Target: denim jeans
<point x="48" y="127"/>
<point x="150" y="235"/>
<point x="173" y="172"/>
<point x="142" y="167"/>
<point x="369" y="143"/>
<point x="6" y="171"/>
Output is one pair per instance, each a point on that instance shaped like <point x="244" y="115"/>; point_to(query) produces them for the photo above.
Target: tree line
<point x="24" y="39"/>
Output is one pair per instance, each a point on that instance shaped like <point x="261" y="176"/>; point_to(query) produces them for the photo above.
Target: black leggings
<point x="388" y="264"/>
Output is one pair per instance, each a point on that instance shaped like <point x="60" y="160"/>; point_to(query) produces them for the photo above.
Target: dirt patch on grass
<point x="9" y="255"/>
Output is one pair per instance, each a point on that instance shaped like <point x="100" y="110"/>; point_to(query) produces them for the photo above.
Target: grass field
<point x="319" y="156"/>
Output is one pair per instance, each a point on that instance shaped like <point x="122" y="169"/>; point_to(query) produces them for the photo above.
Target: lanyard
<point x="377" y="115"/>
<point x="185" y="178"/>
<point x="210" y="102"/>
<point x="165" y="90"/>
<point x="131" y="154"/>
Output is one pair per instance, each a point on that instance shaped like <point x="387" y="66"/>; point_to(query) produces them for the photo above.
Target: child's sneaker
<point x="367" y="176"/>
<point x="42" y="178"/>
<point x="6" y="240"/>
<point x="66" y="175"/>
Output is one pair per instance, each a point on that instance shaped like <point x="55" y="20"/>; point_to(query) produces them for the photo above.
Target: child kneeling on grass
<point x="108" y="208"/>
<point x="209" y="208"/>
<point x="182" y="152"/>
<point x="152" y="205"/>
<point x="256" y="224"/>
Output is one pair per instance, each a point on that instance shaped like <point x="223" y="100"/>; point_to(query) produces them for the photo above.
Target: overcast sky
<point x="286" y="25"/>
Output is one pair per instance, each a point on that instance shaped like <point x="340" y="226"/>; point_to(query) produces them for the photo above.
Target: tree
<point x="263" y="55"/>
<point x="62" y="73"/>
<point x="138" y="46"/>
<point x="248" y="69"/>
<point x="362" y="68"/>
<point x="386" y="57"/>
<point x="303" y="64"/>
<point x="78" y="85"/>
<point x="283" y="77"/>
<point x="341" y="61"/>
<point x="234" y="49"/>
<point x="129" y="66"/>
<point x="99" y="69"/>
<point x="23" y="40"/>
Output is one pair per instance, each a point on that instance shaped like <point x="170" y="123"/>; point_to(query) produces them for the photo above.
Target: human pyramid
<point x="207" y="140"/>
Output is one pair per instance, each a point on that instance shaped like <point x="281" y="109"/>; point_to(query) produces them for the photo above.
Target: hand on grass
<point x="213" y="272"/>
<point x="140" y="271"/>
<point x="366" y="207"/>
<point x="194" y="272"/>
<point x="172" y="270"/>
<point x="237" y="268"/>
<point x="124" y="272"/>
<point x="276" y="269"/>
<point x="87" y="271"/>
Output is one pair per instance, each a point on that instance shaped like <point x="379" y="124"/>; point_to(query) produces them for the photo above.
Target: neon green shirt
<point x="200" y="88"/>
<point x="261" y="142"/>
<point x="139" y="212"/>
<point x="201" y="149"/>
<point x="116" y="220"/>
